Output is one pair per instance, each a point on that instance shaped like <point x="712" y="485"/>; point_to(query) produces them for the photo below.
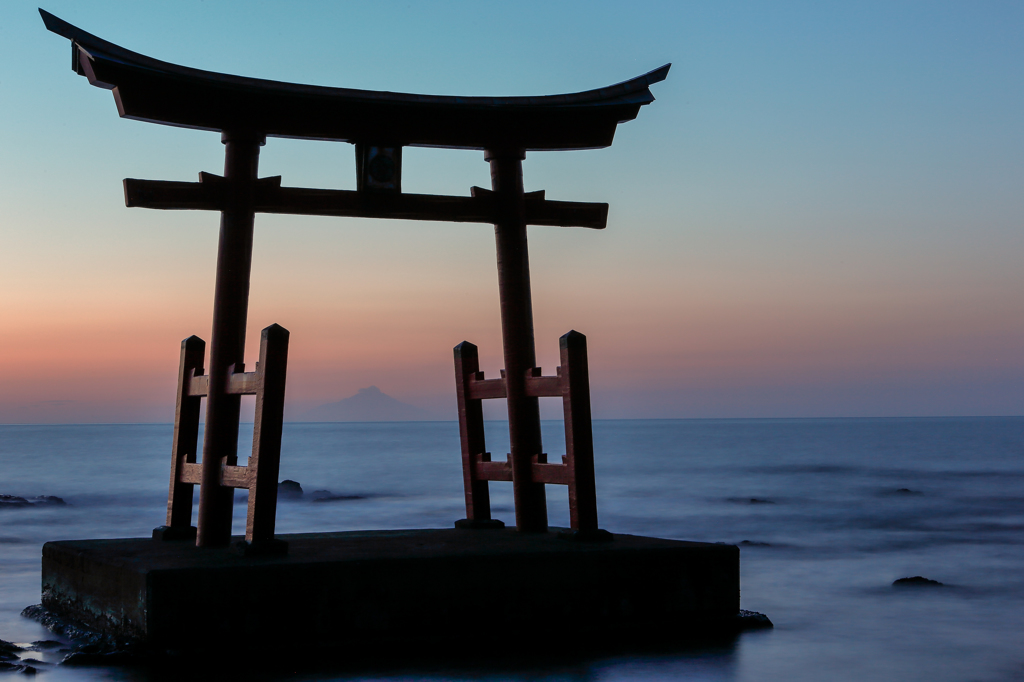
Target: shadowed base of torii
<point x="374" y="588"/>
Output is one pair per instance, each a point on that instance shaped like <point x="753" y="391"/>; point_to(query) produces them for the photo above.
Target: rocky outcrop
<point x="88" y="647"/>
<point x="289" y="490"/>
<point x="13" y="501"/>
<point x="916" y="581"/>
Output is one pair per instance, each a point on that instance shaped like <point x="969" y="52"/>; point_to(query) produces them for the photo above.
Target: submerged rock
<point x="754" y="543"/>
<point x="15" y="501"/>
<point x="89" y="647"/>
<point x="81" y="636"/>
<point x="8" y="648"/>
<point x="916" y="581"/>
<point x="289" y="489"/>
<point x="752" y="620"/>
<point x="48" y="499"/>
<point x="328" y="496"/>
<point x="89" y="658"/>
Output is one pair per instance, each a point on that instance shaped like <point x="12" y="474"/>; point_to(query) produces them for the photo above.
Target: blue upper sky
<point x="821" y="214"/>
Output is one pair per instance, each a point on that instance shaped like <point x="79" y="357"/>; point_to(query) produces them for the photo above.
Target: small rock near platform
<point x="48" y="499"/>
<point x="289" y="489"/>
<point x="8" y="648"/>
<point x="916" y="581"/>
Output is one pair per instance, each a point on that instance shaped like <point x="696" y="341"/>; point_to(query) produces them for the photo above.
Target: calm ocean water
<point x="829" y="513"/>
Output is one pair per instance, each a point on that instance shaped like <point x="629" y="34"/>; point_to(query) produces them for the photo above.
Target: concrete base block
<point x="392" y="586"/>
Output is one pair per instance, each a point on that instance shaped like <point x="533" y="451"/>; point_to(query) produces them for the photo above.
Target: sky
<point x="820" y="216"/>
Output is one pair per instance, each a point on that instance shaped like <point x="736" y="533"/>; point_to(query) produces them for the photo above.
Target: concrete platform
<point x="393" y="586"/>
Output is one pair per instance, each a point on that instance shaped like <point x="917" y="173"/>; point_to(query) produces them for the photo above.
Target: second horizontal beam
<point x="272" y="198"/>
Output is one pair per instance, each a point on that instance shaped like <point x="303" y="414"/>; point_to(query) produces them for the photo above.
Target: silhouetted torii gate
<point x="246" y="111"/>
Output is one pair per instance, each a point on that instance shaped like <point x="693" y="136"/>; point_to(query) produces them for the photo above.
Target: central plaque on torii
<point x="246" y="111"/>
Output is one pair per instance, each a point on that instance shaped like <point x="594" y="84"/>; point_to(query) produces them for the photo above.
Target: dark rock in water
<point x="907" y="491"/>
<point x="751" y="500"/>
<point x="9" y="647"/>
<point x="289" y="489"/>
<point x="32" y="661"/>
<point x="6" y="667"/>
<point x="28" y="670"/>
<point x="754" y="500"/>
<point x="81" y="636"/>
<point x="48" y="499"/>
<point x="752" y="543"/>
<point x="90" y="647"/>
<point x="916" y="581"/>
<point x="752" y="620"/>
<point x="88" y="658"/>
<point x="327" y="496"/>
<point x="44" y="644"/>
<point x="15" y="501"/>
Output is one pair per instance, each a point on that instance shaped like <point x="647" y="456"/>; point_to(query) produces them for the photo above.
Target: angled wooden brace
<point x="475" y="458"/>
<point x="260" y="475"/>
<point x="576" y="471"/>
<point x="186" y="439"/>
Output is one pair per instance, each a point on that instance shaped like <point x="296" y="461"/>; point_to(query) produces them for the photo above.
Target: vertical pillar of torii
<point x="517" y="335"/>
<point x="227" y="343"/>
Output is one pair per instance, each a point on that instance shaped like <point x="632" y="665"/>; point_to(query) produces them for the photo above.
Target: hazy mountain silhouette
<point x="368" y="405"/>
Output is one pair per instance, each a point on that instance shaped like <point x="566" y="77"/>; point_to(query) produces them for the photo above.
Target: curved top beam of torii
<point x="159" y="92"/>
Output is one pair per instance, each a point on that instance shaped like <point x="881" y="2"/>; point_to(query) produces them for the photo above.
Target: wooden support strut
<point x="576" y="471"/>
<point x="260" y="476"/>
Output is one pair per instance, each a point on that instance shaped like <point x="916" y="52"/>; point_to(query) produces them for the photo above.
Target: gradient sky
<point x="821" y="214"/>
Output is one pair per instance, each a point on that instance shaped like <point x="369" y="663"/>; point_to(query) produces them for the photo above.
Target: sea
<point x="827" y="513"/>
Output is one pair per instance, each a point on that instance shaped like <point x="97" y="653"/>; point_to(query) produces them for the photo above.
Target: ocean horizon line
<point x="604" y="419"/>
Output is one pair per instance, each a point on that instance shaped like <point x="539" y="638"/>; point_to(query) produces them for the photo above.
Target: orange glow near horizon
<point x="799" y="226"/>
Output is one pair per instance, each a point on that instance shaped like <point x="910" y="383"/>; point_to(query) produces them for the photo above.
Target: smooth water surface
<point x="827" y="513"/>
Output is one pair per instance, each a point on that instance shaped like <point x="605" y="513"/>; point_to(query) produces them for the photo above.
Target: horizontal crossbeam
<point x="230" y="476"/>
<point x="537" y="386"/>
<point x="483" y="207"/>
<point x="240" y="383"/>
<point x="540" y="472"/>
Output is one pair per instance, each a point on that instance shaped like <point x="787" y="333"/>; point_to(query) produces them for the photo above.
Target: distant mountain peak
<point x="369" y="404"/>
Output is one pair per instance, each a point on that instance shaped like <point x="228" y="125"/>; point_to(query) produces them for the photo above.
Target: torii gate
<point x="246" y="111"/>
